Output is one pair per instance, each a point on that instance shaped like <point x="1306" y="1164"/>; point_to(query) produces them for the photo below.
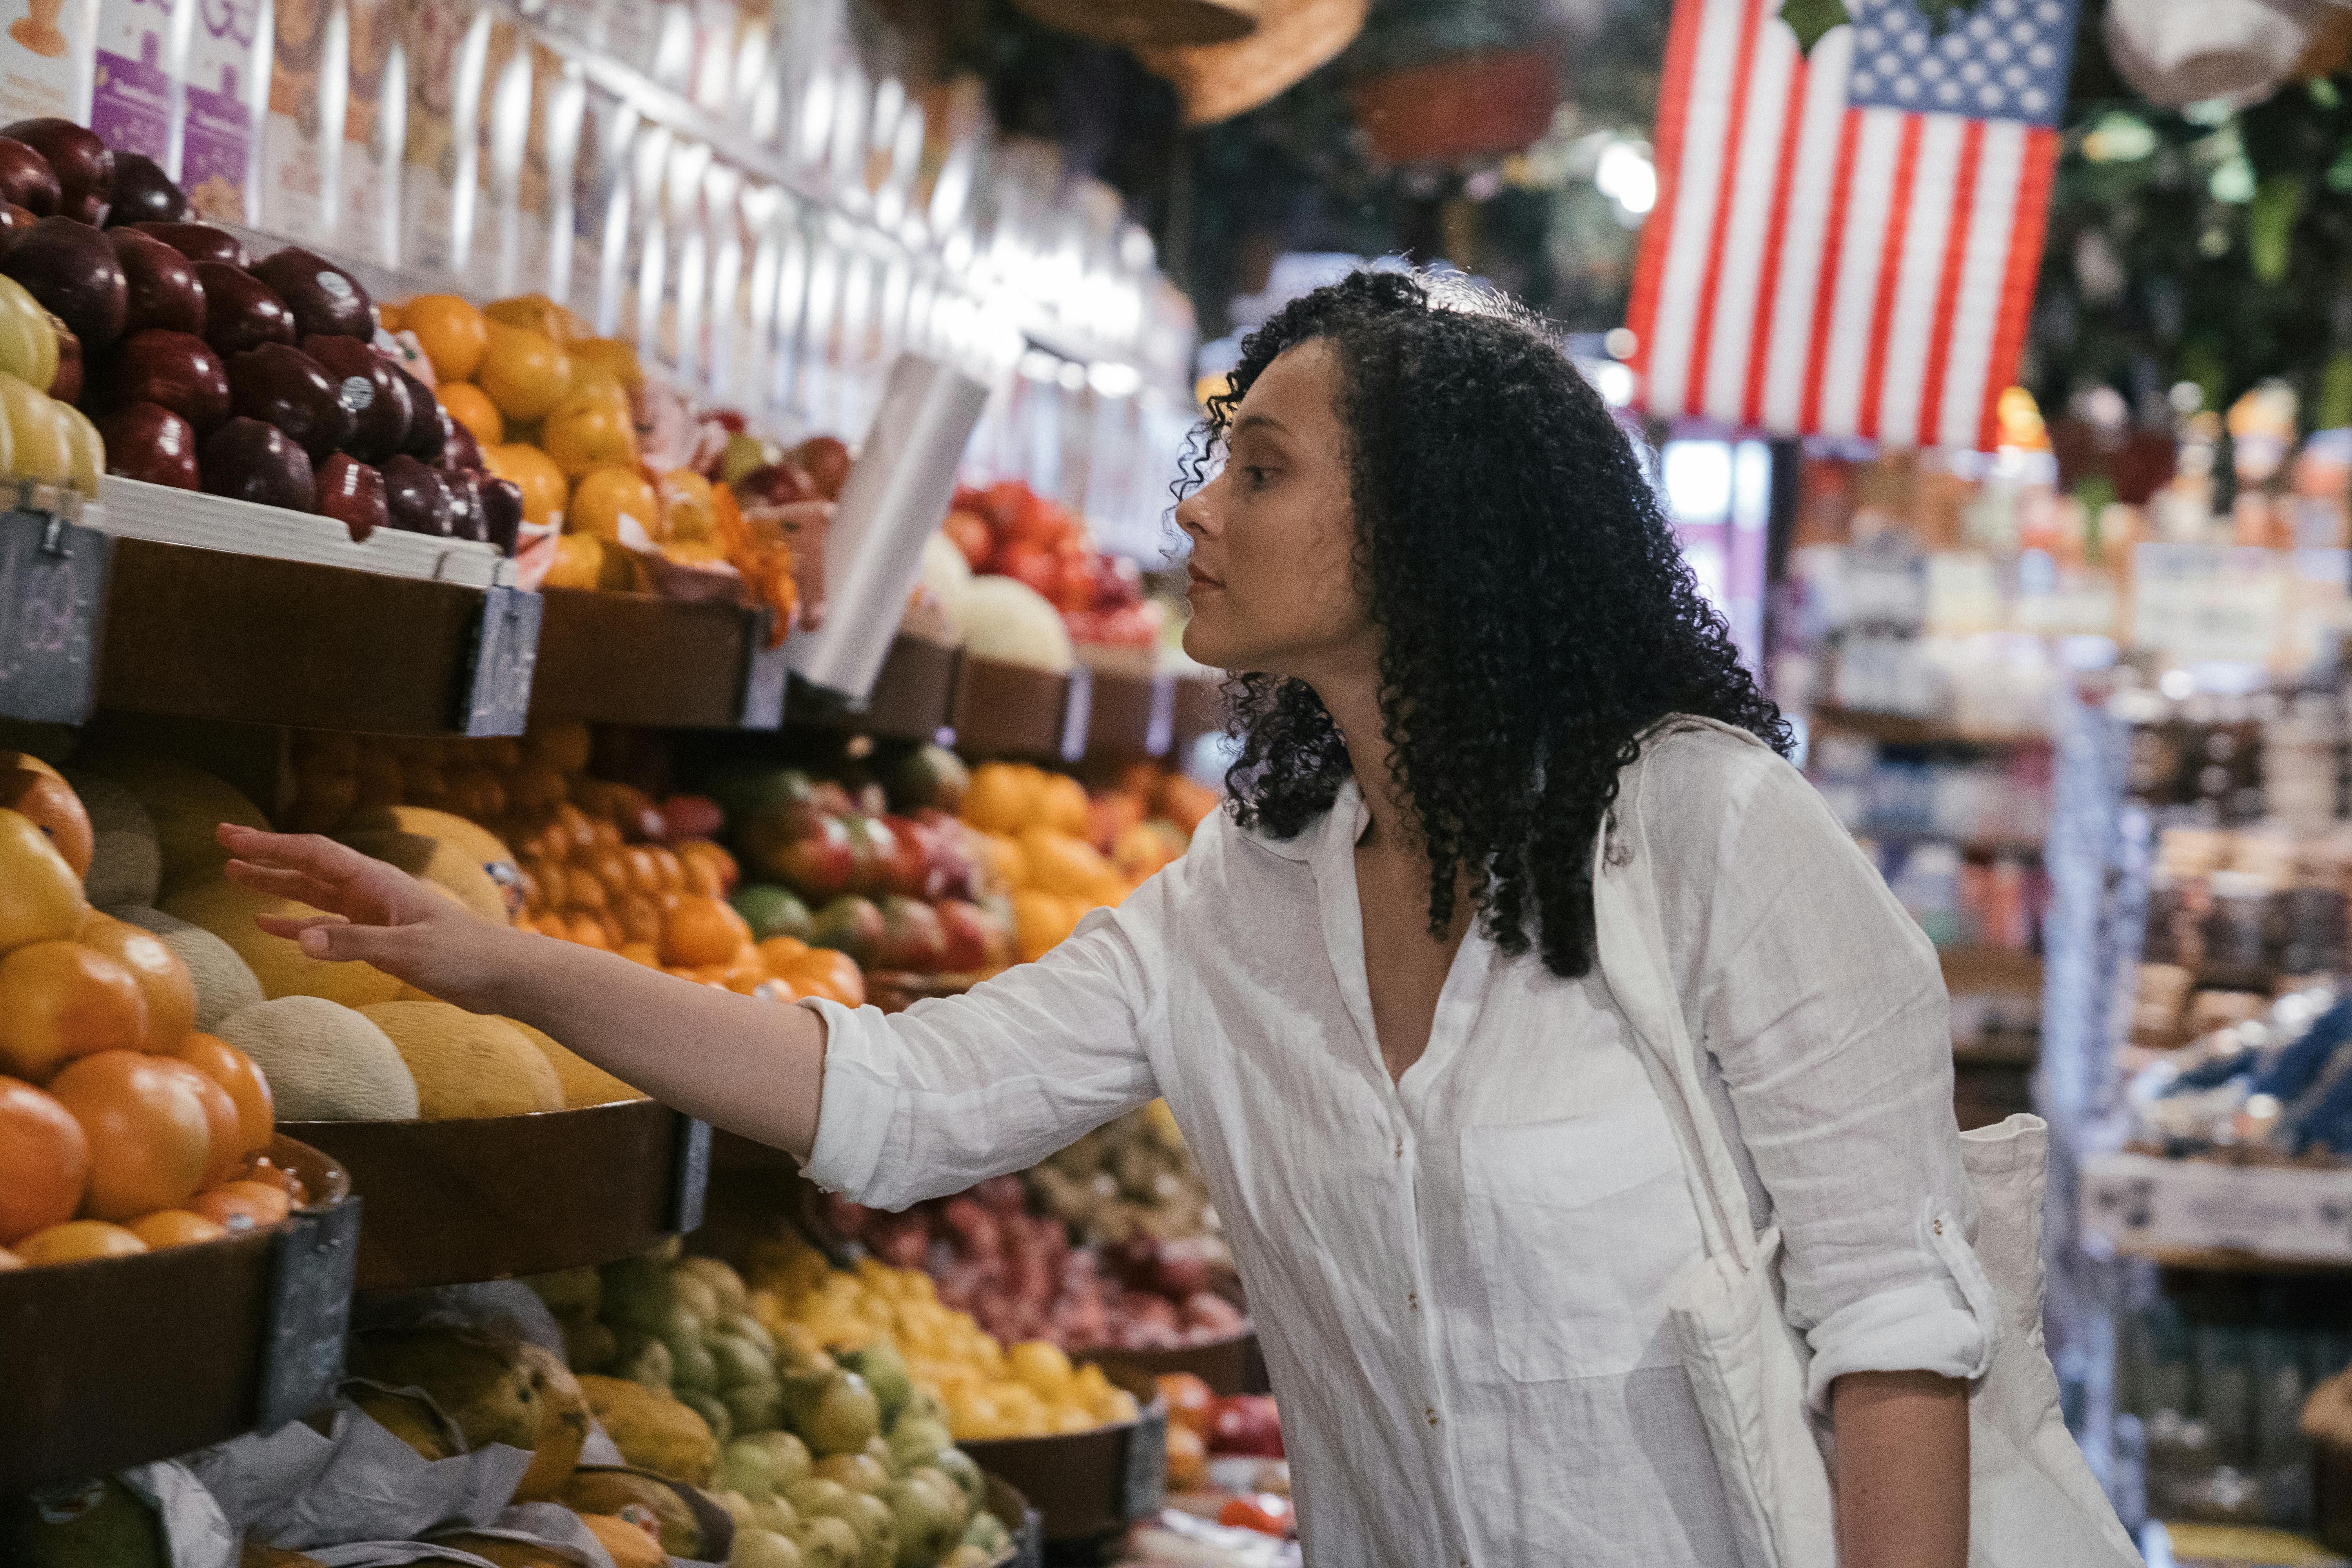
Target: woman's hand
<point x="376" y="913"/>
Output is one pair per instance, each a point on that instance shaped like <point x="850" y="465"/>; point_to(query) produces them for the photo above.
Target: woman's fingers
<point x="389" y="948"/>
<point x="300" y="886"/>
<point x="293" y="926"/>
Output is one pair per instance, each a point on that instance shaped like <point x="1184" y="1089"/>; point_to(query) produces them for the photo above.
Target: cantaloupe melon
<point x="447" y="864"/>
<point x="225" y="983"/>
<point x="464" y="1064"/>
<point x="477" y="843"/>
<point x="187" y="805"/>
<point x="126" y="866"/>
<point x="227" y="910"/>
<point x="324" y="1061"/>
<point x="584" y="1083"/>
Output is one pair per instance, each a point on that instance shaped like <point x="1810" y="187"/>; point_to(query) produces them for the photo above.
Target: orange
<point x="40" y="896"/>
<point x="391" y="317"/>
<point x="610" y="357"/>
<point x="588" y="931"/>
<point x="643" y="952"/>
<point x="824" y="971"/>
<point x="687" y="514"/>
<point x="645" y="871"/>
<point x="721" y="864"/>
<point x="246" y="1088"/>
<point x="163" y="979"/>
<point x="774" y="990"/>
<point x="452" y="332"/>
<point x="78" y="1241"/>
<point x="590" y="429"/>
<point x="471" y="406"/>
<point x="174" y="1227"/>
<point x="545" y="487"/>
<point x="256" y="1202"/>
<point x="703" y="929"/>
<point x="779" y="950"/>
<point x="53" y="808"/>
<point x="669" y="872"/>
<point x="1063" y="804"/>
<point x="587" y="893"/>
<point x="1004" y="797"/>
<point x="526" y="372"/>
<point x="1141" y="850"/>
<point x="640" y="918"/>
<point x="1041" y="920"/>
<point x="44" y="1161"/>
<point x="1063" y="863"/>
<point x="538" y="313"/>
<point x="745" y="974"/>
<point x="1002" y="854"/>
<point x="59" y="1000"/>
<point x="223" y="1141"/>
<point x="150" y="1134"/>
<point x="552" y="925"/>
<point x="604" y="496"/>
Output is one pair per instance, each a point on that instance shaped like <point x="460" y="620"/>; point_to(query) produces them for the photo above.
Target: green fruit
<point x="771" y="910"/>
<point x="870" y="1517"/>
<point x="756" y="1406"/>
<point x="987" y="1532"/>
<point x="788" y="1457"/>
<point x="929" y="1526"/>
<point x="568" y="1291"/>
<point x="949" y="1494"/>
<point x="834" y="1412"/>
<point x="827" y="1542"/>
<point x="859" y="1472"/>
<point x="744" y="1326"/>
<point x="714" y="1414"/>
<point x="885" y="1372"/>
<point x="747" y="1465"/>
<point x="692" y="1364"/>
<point x="927" y="776"/>
<point x="916" y="1438"/>
<point x="958" y="1467"/>
<point x="648" y="1362"/>
<point x="738" y="1505"/>
<point x="739" y="1360"/>
<point x="724" y="1282"/>
<point x="588" y="1345"/>
<point x="693" y="1294"/>
<point x="637" y="1294"/>
<point x="744" y="453"/>
<point x="774" y="1514"/>
<point x="758" y="1548"/>
<point x="816" y="1494"/>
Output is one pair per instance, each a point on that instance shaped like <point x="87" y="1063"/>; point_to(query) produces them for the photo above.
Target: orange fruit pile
<point x="123" y="1128"/>
<point x="1060" y="852"/>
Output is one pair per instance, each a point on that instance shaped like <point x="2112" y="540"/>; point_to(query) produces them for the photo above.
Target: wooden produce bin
<point x="1009" y="710"/>
<point x="639" y="658"/>
<point x="1228" y="1366"/>
<point x="119" y="1361"/>
<point x="1088" y="1485"/>
<point x="497" y="1196"/>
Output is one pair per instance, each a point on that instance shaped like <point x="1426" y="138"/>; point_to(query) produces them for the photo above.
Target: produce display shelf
<point x="1004" y="1500"/>
<point x="1009" y="709"/>
<point x="118" y="1361"/>
<point x="1088" y="1485"/>
<point x="164" y="515"/>
<point x="1902" y="730"/>
<point x="639" y="658"/>
<point x="208" y="633"/>
<point x="1229" y="1366"/>
<point x="1990" y="969"/>
<point x="455" y="1201"/>
<point x="2210" y="1214"/>
<point x="909" y="700"/>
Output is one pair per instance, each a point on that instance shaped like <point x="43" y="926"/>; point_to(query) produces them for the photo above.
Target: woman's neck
<point x="1352" y="697"/>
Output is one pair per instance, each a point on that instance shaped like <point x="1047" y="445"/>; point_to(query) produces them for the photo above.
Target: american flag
<point x="1846" y="243"/>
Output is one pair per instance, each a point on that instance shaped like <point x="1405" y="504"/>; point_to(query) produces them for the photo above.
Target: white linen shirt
<point x="1459" y="1278"/>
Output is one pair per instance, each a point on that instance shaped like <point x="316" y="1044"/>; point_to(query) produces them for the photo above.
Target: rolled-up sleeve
<point x="1823" y="1005"/>
<point x="955" y="1089"/>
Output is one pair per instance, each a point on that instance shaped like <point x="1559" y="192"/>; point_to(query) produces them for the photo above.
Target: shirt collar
<point x="1336" y="833"/>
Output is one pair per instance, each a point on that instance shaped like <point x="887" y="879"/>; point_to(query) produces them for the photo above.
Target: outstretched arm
<point x="740" y="1063"/>
<point x="1902" y="1470"/>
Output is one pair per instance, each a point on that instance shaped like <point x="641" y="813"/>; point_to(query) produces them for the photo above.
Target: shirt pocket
<point x="1578" y="1226"/>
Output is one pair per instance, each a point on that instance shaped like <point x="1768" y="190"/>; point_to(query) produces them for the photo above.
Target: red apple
<point x="147" y="441"/>
<point x="322" y="296"/>
<point x="873" y="847"/>
<point x="200" y="242"/>
<point x="907" y="870"/>
<point x="460" y="453"/>
<point x="176" y="370"/>
<point x="818" y="864"/>
<point x="250" y="461"/>
<point x="849" y="924"/>
<point x="285" y="386"/>
<point x="241" y="311"/>
<point x="465" y="509"/>
<point x="911" y="938"/>
<point x="367" y="386"/>
<point x="692" y="816"/>
<point x="416" y="497"/>
<point x="964" y="935"/>
<point x="502" y="516"/>
<point x="84" y="167"/>
<point x="777" y="484"/>
<point x="352" y="494"/>
<point x="26" y="178"/>
<point x="827" y="462"/>
<point x="162" y="284"/>
<point x="70" y="268"/>
<point x="14" y="221"/>
<point x="142" y="193"/>
<point x="427" y="421"/>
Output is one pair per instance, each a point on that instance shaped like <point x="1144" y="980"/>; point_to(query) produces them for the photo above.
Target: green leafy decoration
<point x="1942" y="13"/>
<point x="1808" y="20"/>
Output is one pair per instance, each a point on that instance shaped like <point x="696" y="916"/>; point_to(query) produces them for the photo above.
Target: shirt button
<point x="1413" y="1300"/>
<point x="1432" y="1413"/>
<point x="1400" y="1155"/>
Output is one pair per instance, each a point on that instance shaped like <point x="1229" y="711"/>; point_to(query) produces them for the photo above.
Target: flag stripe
<point x="1890" y="265"/>
<point x="2024" y="262"/>
<point x="1706" y="129"/>
<point x="1717" y="367"/>
<point x="1862" y="256"/>
<point x="1804" y="249"/>
<point x="1832" y="246"/>
<point x="1976" y="298"/>
<point x="1794" y="108"/>
<point x="1674" y="103"/>
<point x="1932" y="229"/>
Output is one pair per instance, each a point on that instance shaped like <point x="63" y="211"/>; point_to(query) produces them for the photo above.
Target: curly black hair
<point x="1537" y="614"/>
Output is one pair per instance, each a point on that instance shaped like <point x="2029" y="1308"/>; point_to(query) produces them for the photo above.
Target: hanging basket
<point x="1463" y="106"/>
<point x="1147" y="23"/>
<point x="1218" y="82"/>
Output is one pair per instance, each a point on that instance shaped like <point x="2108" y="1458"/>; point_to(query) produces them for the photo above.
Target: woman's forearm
<point x="657" y="1032"/>
<point x="1902" y="1470"/>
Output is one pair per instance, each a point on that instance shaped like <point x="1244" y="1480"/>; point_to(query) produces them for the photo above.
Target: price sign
<point x="310" y="1312"/>
<point x="506" y="649"/>
<point x="52" y="612"/>
<point x="766" y="672"/>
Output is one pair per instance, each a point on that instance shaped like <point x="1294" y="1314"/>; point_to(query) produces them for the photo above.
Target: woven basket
<point x="1218" y="82"/>
<point x="1147" y="23"/>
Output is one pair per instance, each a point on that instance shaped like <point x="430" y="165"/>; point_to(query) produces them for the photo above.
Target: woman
<point x="1370" y="991"/>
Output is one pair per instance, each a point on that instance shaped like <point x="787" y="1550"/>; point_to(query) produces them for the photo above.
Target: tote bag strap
<point x="1630" y="937"/>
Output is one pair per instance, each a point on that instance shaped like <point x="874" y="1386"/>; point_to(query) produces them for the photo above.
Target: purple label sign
<point x="130" y="101"/>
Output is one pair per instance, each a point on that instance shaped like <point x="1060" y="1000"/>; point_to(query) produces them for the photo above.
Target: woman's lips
<point x="1200" y="579"/>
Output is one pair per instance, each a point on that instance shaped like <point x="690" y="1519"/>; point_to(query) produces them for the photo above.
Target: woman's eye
<point x="1256" y="477"/>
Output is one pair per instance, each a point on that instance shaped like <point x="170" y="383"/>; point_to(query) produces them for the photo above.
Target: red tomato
<point x="1265" y="1513"/>
<point x="1038" y="567"/>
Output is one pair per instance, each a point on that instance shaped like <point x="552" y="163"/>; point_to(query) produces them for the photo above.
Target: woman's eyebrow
<point x="1253" y="421"/>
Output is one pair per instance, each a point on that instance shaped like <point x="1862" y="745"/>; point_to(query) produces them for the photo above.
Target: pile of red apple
<point x="1010" y="530"/>
<point x="205" y="370"/>
<point x="834" y="869"/>
<point x="1018" y="1274"/>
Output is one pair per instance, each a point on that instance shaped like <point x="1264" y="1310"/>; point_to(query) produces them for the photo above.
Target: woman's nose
<point x="1193" y="512"/>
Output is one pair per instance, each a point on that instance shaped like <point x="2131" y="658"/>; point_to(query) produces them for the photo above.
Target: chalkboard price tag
<point x="506" y="649"/>
<point x="52" y="616"/>
<point x="310" y="1311"/>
